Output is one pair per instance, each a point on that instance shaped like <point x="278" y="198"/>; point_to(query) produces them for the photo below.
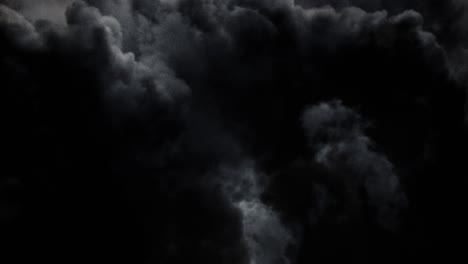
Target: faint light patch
<point x="265" y="236"/>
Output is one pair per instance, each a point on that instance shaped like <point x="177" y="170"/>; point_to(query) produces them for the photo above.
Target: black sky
<point x="234" y="131"/>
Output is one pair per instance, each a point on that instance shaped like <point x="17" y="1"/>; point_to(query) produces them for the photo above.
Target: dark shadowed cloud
<point x="233" y="131"/>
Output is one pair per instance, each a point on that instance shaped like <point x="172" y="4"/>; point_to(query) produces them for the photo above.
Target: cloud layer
<point x="233" y="131"/>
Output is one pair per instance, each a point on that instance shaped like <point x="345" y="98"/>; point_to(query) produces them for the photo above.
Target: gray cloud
<point x="336" y="135"/>
<point x="265" y="236"/>
<point x="127" y="74"/>
<point x="51" y="10"/>
<point x="191" y="114"/>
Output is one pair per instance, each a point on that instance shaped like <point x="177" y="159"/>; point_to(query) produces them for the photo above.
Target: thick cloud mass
<point x="233" y="131"/>
<point x="339" y="145"/>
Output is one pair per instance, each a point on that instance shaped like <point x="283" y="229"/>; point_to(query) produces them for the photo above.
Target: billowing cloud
<point x="338" y="143"/>
<point x="264" y="235"/>
<point x="232" y="131"/>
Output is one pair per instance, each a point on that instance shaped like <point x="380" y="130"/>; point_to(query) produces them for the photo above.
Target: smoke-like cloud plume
<point x="233" y="131"/>
<point x="335" y="134"/>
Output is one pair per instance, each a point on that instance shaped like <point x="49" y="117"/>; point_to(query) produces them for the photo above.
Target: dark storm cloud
<point x="88" y="31"/>
<point x="231" y="131"/>
<point x="264" y="234"/>
<point x="338" y="142"/>
<point x="90" y="116"/>
<point x="447" y="20"/>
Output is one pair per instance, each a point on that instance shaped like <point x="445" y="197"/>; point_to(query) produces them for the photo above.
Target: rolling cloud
<point x="233" y="131"/>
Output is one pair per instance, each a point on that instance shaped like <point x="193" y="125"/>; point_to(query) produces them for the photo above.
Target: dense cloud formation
<point x="233" y="131"/>
<point x="339" y="145"/>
